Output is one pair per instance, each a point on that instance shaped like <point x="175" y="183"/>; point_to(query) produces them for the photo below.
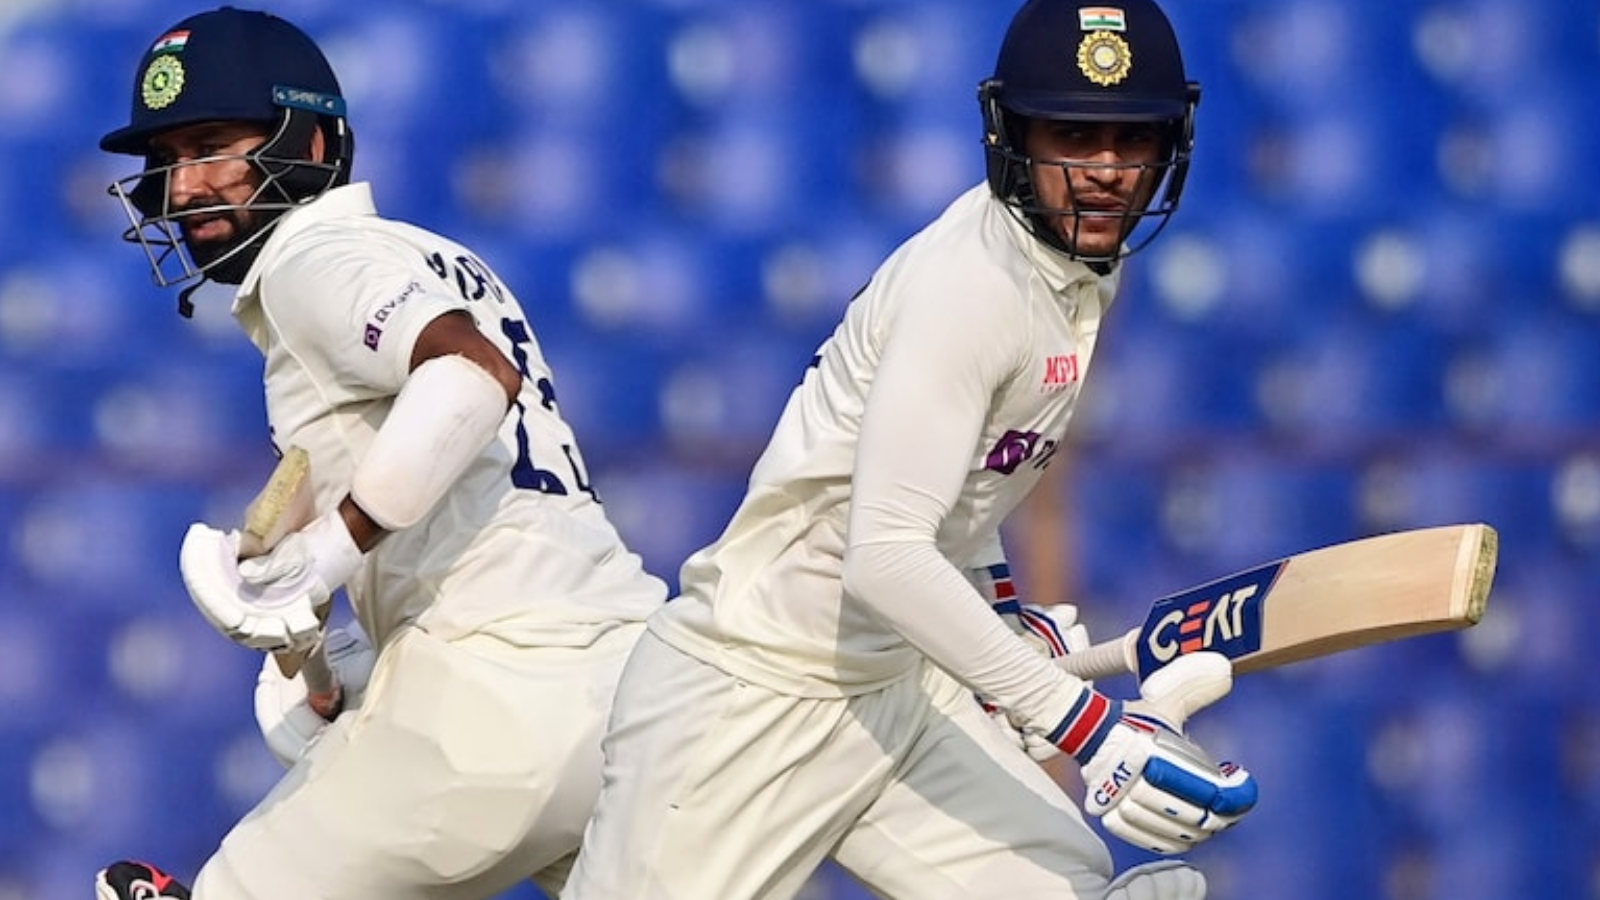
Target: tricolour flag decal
<point x="1102" y="18"/>
<point x="171" y="42"/>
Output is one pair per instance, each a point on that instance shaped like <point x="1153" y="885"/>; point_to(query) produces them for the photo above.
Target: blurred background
<point x="1378" y="309"/>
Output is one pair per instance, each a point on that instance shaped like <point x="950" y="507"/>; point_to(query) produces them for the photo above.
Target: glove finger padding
<point x="1156" y="789"/>
<point x="287" y="722"/>
<point x="262" y="617"/>
<point x="283" y="709"/>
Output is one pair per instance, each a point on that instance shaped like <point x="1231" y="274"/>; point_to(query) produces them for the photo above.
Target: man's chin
<point x="1093" y="247"/>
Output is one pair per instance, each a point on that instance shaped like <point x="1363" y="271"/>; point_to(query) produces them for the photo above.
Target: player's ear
<point x="319" y="146"/>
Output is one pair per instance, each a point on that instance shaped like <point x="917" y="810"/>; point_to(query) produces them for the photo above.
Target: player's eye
<point x="1143" y="134"/>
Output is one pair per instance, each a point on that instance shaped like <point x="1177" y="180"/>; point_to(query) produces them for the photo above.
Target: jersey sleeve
<point x="942" y="362"/>
<point x="351" y="307"/>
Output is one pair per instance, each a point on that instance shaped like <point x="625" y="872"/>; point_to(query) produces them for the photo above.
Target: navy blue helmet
<point x="230" y="65"/>
<point x="1072" y="61"/>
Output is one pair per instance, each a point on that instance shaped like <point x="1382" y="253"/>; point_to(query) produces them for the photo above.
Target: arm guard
<point x="448" y="410"/>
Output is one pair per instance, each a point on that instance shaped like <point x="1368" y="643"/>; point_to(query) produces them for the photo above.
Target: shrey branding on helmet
<point x="1103" y="56"/>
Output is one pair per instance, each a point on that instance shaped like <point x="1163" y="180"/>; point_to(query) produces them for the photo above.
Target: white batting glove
<point x="1148" y="784"/>
<point x="268" y="602"/>
<point x="284" y="713"/>
<point x="1053" y="631"/>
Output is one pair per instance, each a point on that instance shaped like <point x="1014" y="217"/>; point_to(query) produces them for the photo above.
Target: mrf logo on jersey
<point x="1224" y="616"/>
<point x="1060" y="372"/>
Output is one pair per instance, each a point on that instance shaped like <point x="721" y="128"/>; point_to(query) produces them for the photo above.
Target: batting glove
<point x="284" y="713"/>
<point x="269" y="602"/>
<point x="1148" y="784"/>
<point x="1053" y="631"/>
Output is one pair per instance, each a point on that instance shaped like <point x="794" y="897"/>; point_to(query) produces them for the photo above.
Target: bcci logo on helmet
<point x="163" y="82"/>
<point x="1104" y="58"/>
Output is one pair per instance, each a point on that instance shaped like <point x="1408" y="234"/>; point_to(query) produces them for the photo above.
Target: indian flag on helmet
<point x="1102" y="18"/>
<point x="171" y="42"/>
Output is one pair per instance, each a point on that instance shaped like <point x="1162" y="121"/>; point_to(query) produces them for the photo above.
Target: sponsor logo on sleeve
<point x="373" y="333"/>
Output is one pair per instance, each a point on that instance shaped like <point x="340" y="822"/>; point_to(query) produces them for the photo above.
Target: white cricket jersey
<point x="519" y="547"/>
<point x="924" y="420"/>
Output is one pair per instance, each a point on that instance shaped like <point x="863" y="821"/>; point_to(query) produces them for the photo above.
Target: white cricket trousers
<point x="470" y="767"/>
<point x="717" y="789"/>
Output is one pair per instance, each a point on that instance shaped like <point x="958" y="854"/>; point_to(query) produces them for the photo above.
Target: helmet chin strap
<point x="185" y="305"/>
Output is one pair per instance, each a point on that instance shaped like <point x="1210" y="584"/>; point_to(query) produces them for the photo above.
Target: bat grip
<point x="322" y="687"/>
<point x="1103" y="660"/>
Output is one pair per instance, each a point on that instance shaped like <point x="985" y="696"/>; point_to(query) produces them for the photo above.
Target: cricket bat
<point x="284" y="505"/>
<point x="1312" y="604"/>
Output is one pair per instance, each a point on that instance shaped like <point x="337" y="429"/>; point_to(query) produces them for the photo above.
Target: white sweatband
<point x="448" y="410"/>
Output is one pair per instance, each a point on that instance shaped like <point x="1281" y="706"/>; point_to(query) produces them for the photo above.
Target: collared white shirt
<point x="518" y="547"/>
<point x="926" y="418"/>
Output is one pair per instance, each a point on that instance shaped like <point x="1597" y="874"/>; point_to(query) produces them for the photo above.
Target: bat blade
<point x="285" y="504"/>
<point x="1315" y="603"/>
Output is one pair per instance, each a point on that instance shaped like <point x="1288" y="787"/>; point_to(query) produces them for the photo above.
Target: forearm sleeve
<point x="933" y="606"/>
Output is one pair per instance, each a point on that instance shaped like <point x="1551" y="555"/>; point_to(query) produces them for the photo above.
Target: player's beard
<point x="226" y="260"/>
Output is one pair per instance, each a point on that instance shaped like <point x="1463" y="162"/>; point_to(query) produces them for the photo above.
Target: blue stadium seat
<point x="1439" y="483"/>
<point x="42" y="419"/>
<point x="1163" y="384"/>
<point x="917" y="67"/>
<point x="737" y="59"/>
<point x="1243" y="507"/>
<point x="608" y="388"/>
<point x="1535" y="635"/>
<point x="1352" y="380"/>
<point x="106" y="544"/>
<point x="18" y="818"/>
<point x="169" y="665"/>
<point x="1116" y="531"/>
<point x="63" y="314"/>
<point x="667" y="511"/>
<point x="758" y="173"/>
<point x="1256" y="280"/>
<point x="48" y="660"/>
<point x="726" y="390"/>
<point x="670" y="282"/>
<point x="181" y="416"/>
<point x="107" y="785"/>
<point x="1328" y="132"/>
<point x="925" y="59"/>
<point x="1534" y="379"/>
<point x="540" y="182"/>
<point x="1455" y="269"/>
<point x="809" y="275"/>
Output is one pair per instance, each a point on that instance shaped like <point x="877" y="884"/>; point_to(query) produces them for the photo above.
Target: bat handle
<point x="323" y="691"/>
<point x="322" y="687"/>
<point x="1103" y="660"/>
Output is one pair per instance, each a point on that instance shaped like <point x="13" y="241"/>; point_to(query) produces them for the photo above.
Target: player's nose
<point x="185" y="183"/>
